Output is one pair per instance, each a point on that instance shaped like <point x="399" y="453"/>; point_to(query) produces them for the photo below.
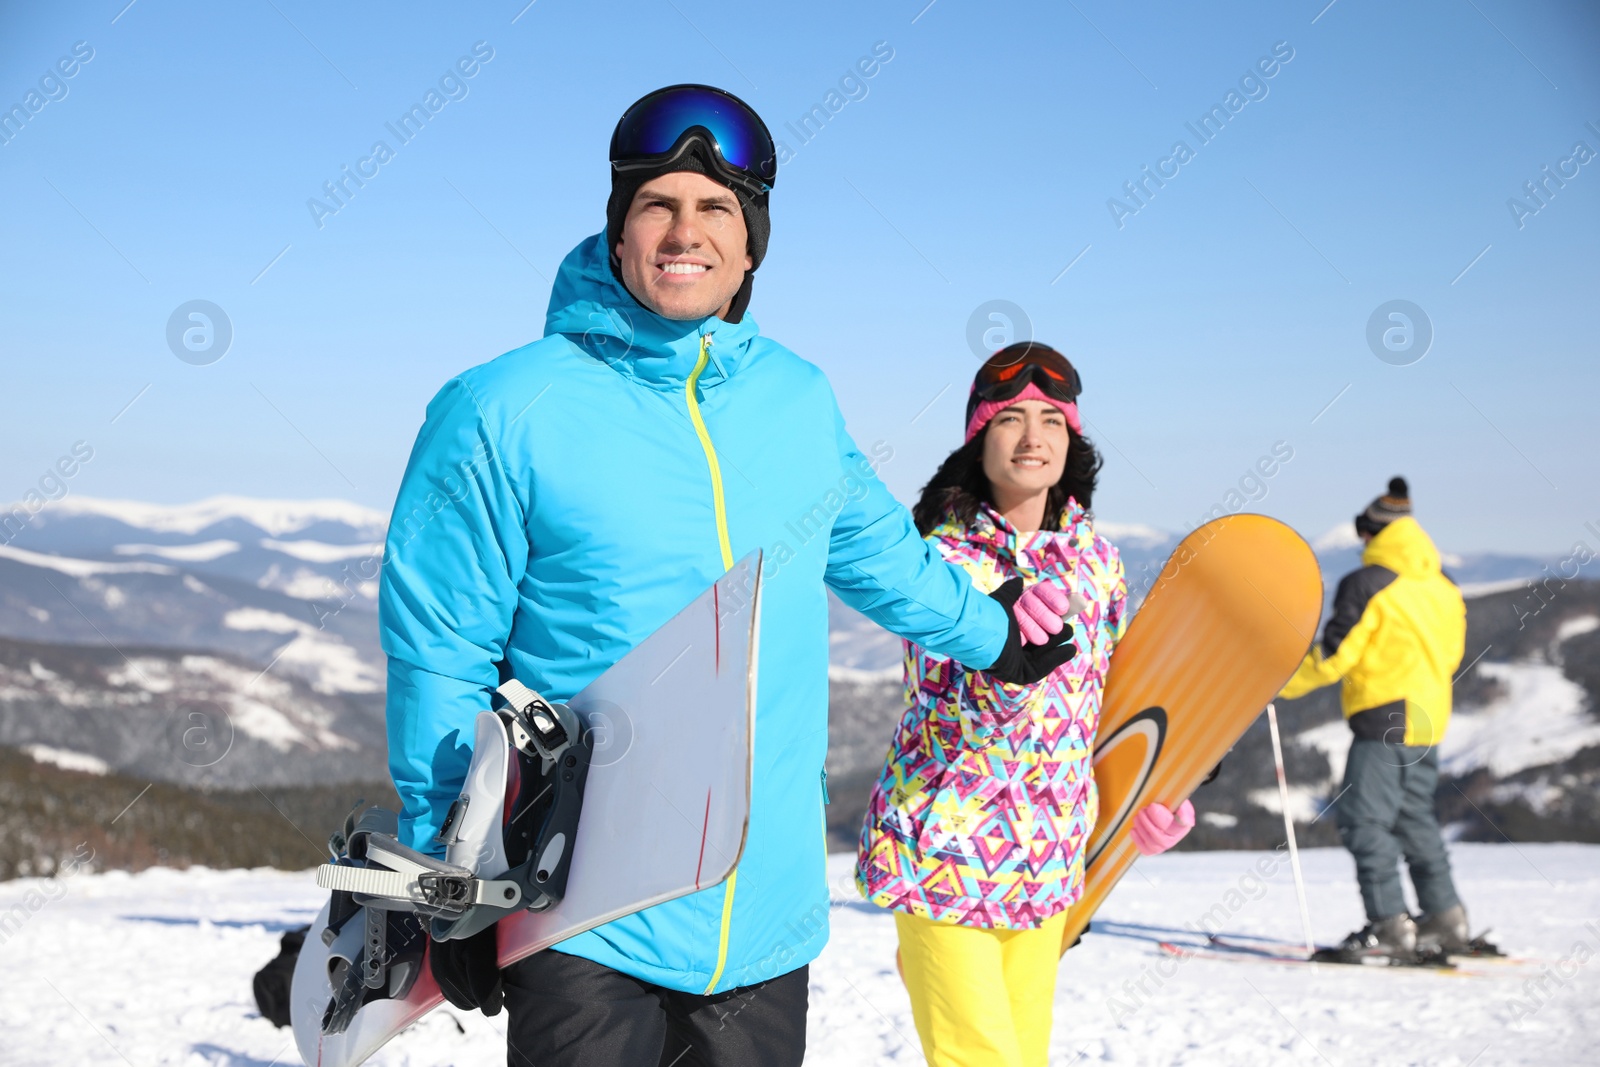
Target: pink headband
<point x="988" y="409"/>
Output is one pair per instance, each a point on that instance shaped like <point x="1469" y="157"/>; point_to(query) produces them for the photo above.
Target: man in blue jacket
<point x="566" y="499"/>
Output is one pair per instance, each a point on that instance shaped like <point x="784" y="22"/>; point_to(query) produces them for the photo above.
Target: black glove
<point x="468" y="971"/>
<point x="1022" y="664"/>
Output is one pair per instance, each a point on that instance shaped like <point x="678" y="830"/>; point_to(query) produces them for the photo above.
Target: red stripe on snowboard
<point x="704" y="827"/>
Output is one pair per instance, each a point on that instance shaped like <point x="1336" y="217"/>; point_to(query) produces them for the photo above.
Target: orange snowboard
<point x="1231" y="616"/>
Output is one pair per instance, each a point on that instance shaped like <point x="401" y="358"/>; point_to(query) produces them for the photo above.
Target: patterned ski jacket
<point x="986" y="801"/>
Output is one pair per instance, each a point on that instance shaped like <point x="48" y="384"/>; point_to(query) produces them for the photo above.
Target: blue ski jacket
<point x="565" y="500"/>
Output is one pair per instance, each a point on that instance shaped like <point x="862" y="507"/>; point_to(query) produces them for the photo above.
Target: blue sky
<point x="1220" y="318"/>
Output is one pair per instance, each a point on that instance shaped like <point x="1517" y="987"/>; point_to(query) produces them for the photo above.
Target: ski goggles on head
<point x="1007" y="372"/>
<point x="1040" y="371"/>
<point x="661" y="127"/>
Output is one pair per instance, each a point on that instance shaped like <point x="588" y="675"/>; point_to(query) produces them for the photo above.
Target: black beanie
<point x="1395" y="504"/>
<point x="758" y="225"/>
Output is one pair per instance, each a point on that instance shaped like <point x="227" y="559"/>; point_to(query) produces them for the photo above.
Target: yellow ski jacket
<point x="1395" y="637"/>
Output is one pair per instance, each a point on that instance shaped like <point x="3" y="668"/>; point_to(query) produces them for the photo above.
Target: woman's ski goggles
<point x="1007" y="372"/>
<point x="661" y="127"/>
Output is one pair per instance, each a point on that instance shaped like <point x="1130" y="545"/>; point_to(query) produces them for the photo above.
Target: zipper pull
<point x="707" y="343"/>
<point x="825" y="799"/>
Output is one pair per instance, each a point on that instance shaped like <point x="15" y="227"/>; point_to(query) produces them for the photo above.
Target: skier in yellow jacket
<point x="1395" y="639"/>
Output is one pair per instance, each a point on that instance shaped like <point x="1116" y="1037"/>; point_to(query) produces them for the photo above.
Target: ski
<point x="1247" y="955"/>
<point x="1234" y="953"/>
<point x="1285" y="948"/>
<point x="1325" y="954"/>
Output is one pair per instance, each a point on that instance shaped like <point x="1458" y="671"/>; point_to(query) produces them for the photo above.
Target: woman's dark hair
<point x="959" y="485"/>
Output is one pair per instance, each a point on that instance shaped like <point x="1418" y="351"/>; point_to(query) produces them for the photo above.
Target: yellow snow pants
<point x="980" y="998"/>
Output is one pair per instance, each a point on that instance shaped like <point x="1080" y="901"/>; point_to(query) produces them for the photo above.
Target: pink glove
<point x="1040" y="612"/>
<point x="1157" y="827"/>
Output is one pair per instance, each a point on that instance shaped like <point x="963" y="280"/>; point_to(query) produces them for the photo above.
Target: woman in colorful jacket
<point x="976" y="829"/>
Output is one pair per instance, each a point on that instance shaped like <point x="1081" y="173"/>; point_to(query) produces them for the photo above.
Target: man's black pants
<point x="566" y="1011"/>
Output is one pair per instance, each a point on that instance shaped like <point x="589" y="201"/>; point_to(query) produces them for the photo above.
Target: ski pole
<point x="1288" y="826"/>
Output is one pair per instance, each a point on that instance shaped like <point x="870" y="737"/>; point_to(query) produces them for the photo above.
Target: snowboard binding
<point x="517" y="818"/>
<point x="373" y="952"/>
<point x="508" y="846"/>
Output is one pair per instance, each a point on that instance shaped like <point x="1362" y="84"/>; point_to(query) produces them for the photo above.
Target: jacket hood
<point x="1404" y="548"/>
<point x="594" y="310"/>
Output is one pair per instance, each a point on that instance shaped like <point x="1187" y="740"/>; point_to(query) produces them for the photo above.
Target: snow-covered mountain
<point x="188" y="717"/>
<point x="320" y="550"/>
<point x="123" y="614"/>
<point x="125" y="620"/>
<point x="325" y="554"/>
<point x="286" y="581"/>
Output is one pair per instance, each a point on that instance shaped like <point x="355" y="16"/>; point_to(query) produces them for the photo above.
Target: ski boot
<point x="1392" y="940"/>
<point x="1447" y="934"/>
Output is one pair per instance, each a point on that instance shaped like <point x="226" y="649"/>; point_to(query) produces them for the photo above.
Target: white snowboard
<point x="665" y="809"/>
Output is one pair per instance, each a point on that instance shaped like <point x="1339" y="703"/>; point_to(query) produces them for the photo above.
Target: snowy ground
<point x="155" y="969"/>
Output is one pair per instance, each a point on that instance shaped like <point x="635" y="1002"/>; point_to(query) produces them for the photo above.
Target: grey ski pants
<point x="1386" y="811"/>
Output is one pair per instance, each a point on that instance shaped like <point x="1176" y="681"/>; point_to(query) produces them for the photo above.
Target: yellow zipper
<point x="711" y="453"/>
<point x="825" y="803"/>
<point x="727" y="564"/>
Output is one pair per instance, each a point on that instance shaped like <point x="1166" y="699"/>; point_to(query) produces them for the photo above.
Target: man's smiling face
<point x="684" y="249"/>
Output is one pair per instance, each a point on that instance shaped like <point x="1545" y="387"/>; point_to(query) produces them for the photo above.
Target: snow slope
<point x="155" y="969"/>
<point x="1541" y="718"/>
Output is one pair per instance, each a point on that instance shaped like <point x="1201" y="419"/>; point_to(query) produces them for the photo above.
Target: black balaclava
<point x="756" y="221"/>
